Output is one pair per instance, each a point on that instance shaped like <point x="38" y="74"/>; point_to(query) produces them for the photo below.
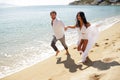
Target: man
<point x="58" y="29"/>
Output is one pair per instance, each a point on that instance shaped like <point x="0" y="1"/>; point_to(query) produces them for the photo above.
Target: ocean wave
<point x="28" y="56"/>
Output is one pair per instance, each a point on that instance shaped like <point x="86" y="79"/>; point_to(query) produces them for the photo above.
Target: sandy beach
<point x="103" y="62"/>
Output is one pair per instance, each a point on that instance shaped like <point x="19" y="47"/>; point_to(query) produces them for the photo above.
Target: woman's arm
<point x="72" y="27"/>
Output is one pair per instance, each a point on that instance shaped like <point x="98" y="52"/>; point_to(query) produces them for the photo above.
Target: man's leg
<point x="62" y="40"/>
<point x="54" y="40"/>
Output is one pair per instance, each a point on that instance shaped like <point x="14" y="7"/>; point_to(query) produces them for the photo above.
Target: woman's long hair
<point x="82" y="15"/>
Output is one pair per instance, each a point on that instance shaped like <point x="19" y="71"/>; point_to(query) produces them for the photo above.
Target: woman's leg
<point x="84" y="55"/>
<point x="80" y="45"/>
<point x="85" y="42"/>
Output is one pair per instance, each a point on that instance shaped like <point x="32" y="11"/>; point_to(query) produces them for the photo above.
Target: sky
<point x="36" y="2"/>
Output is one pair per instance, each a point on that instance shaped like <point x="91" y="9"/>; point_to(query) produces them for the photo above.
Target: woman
<point x="81" y="24"/>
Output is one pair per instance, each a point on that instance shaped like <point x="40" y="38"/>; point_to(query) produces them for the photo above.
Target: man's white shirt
<point x="58" y="28"/>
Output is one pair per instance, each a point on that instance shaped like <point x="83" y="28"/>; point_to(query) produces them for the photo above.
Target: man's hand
<point x="65" y="28"/>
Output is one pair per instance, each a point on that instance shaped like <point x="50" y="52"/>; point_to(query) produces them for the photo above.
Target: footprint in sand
<point x="118" y="50"/>
<point x="109" y="59"/>
<point x="113" y="43"/>
<point x="106" y="43"/>
<point x="91" y="51"/>
<point x="118" y="37"/>
<point x="96" y="45"/>
<point x="94" y="77"/>
<point x="107" y="39"/>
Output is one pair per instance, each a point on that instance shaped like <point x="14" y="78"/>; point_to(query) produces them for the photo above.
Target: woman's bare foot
<point x="57" y="53"/>
<point x="81" y="61"/>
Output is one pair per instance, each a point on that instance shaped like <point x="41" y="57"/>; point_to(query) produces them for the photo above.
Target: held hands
<point x="73" y="27"/>
<point x="66" y="28"/>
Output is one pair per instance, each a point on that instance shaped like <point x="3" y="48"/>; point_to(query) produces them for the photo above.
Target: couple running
<point x="59" y="28"/>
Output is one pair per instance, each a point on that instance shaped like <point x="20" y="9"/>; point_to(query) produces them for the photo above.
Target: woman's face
<point x="79" y="17"/>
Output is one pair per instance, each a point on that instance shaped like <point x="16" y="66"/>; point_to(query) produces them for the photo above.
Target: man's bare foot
<point x="57" y="53"/>
<point x="67" y="53"/>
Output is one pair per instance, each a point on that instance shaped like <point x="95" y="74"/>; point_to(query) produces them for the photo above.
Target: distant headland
<point x="95" y="2"/>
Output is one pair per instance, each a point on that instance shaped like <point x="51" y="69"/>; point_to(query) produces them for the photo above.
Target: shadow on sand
<point x="69" y="63"/>
<point x="100" y="65"/>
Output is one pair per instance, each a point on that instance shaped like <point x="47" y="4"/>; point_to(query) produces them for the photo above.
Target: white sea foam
<point x="28" y="57"/>
<point x="107" y="22"/>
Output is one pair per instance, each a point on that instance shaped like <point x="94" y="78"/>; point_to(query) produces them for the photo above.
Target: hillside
<point x="95" y="2"/>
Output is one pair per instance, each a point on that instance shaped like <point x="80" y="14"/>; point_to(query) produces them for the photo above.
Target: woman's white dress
<point x="82" y="33"/>
<point x="91" y="33"/>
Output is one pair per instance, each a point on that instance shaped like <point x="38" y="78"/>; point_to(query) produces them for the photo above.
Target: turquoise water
<point x="25" y="32"/>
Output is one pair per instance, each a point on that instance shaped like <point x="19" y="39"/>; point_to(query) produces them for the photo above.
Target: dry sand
<point x="103" y="62"/>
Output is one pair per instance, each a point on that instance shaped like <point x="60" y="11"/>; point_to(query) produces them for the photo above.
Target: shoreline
<point x="35" y="68"/>
<point x="106" y="26"/>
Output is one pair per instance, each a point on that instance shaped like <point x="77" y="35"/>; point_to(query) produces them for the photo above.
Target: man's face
<point x="53" y="16"/>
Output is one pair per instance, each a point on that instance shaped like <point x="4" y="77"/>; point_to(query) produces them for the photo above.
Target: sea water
<point x="26" y="32"/>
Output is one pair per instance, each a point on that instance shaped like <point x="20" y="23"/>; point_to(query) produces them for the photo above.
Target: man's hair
<point x="53" y="12"/>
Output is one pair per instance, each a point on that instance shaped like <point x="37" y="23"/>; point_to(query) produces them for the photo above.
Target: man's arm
<point x="63" y="25"/>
